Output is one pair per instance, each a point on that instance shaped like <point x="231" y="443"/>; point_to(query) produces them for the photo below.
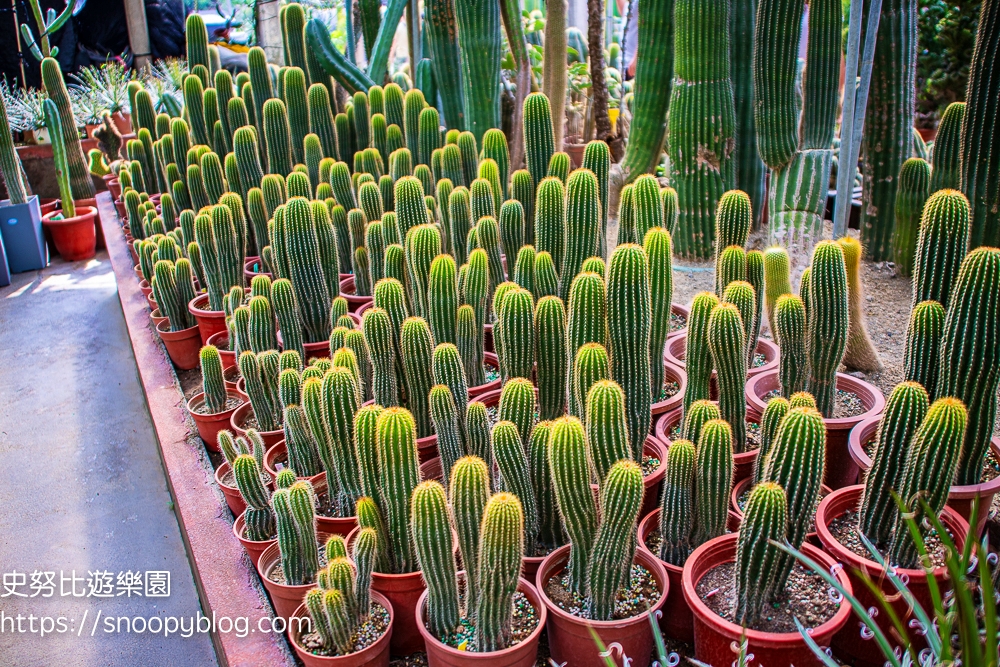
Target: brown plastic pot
<point x="489" y="359"/>
<point x="209" y="321"/>
<point x="960" y="497"/>
<point x="155" y="316"/>
<point x="676" y="349"/>
<point x="676" y="620"/>
<point x="210" y="425"/>
<point x="239" y="417"/>
<point x="376" y="655"/>
<point x="254" y="266"/>
<point x="354" y="302"/>
<point x="241" y="388"/>
<point x="285" y="598"/>
<point x="570" y="639"/>
<point x="743" y="462"/>
<point x="841" y="470"/>
<point x="320" y="350"/>
<point x="848" y="644"/>
<point x="233" y="497"/>
<point x="75" y="238"/>
<point x="671" y="372"/>
<point x="522" y="654"/>
<point x="221" y="341"/>
<point x="182" y="346"/>
<point x="253" y="548"/>
<point x="714" y="635"/>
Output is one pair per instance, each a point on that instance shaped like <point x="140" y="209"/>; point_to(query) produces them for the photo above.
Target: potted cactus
<point x="220" y="238"/>
<point x="812" y="347"/>
<point x="256" y="527"/>
<point x="263" y="411"/>
<point x="350" y="623"/>
<point x="231" y="448"/>
<point x="487" y="614"/>
<point x="21" y="234"/>
<point x="916" y="456"/>
<point x="213" y="407"/>
<point x="580" y="582"/>
<point x="173" y="286"/>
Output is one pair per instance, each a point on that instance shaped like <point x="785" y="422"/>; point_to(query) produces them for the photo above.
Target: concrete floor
<point x="82" y="487"/>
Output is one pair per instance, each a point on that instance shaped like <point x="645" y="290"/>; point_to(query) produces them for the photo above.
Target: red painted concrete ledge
<point x="226" y="580"/>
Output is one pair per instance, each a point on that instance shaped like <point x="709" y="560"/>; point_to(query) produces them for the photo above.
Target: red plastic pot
<point x="254" y="266"/>
<point x="960" y="497"/>
<point x="354" y="302"/>
<point x="320" y="350"/>
<point x="714" y="635"/>
<point x="209" y="321"/>
<point x="331" y="525"/>
<point x="276" y="460"/>
<point x="674" y="373"/>
<point x="523" y="654"/>
<point x="221" y="341"/>
<point x="253" y="548"/>
<point x="740" y="488"/>
<point x="743" y="462"/>
<point x="676" y="349"/>
<point x="155" y="316"/>
<point x="241" y="387"/>
<point x="145" y="287"/>
<point x="233" y="498"/>
<point x="682" y="311"/>
<point x="75" y="238"/>
<point x="47" y="205"/>
<point x="209" y="425"/>
<point x="848" y="644"/>
<point x="376" y="655"/>
<point x="114" y="186"/>
<point x="285" y="598"/>
<point x="570" y="640"/>
<point x="489" y="359"/>
<point x="841" y="470"/>
<point x="120" y="209"/>
<point x="182" y="346"/>
<point x="239" y="417"/>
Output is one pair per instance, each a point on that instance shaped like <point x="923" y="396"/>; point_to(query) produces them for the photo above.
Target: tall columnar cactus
<point x="468" y="493"/>
<point x="695" y="417"/>
<point x="516" y="324"/>
<point x="247" y="159"/>
<point x="702" y="130"/>
<point x="946" y="163"/>
<point x="479" y="43"/>
<point x="677" y="510"/>
<point x="341" y="398"/>
<point x="698" y="357"/>
<point x="259" y="518"/>
<point x="442" y="298"/>
<point x="914" y="188"/>
<point x="439" y="27"/>
<point x="500" y="553"/>
<point x="583" y="224"/>
<point x="658" y="246"/>
<point x="828" y="322"/>
<point x="10" y="166"/>
<point x="432" y="539"/>
<point x="904" y="412"/>
<point x="277" y="137"/>
<point x="550" y="354"/>
<point x="538" y="135"/>
<point x="306" y="270"/>
<point x="590" y="366"/>
<point x="79" y="177"/>
<point x="587" y="321"/>
<point x="731" y="265"/>
<point x="970" y="354"/>
<point x="173" y="290"/>
<point x="378" y="331"/>
<point x="758" y="561"/>
<point x="931" y="464"/>
<point x="571" y="481"/>
<point x="629" y="323"/>
<point x="614" y="544"/>
<point x="777" y="280"/>
<point x="444" y="416"/>
<point x="524" y="269"/>
<point x="397" y="453"/>
<point x="550" y="219"/>
<point x="713" y="480"/>
<point x="512" y="462"/>
<point x="941" y="246"/>
<point x="321" y="119"/>
<point x="413" y="104"/>
<point x="921" y="356"/>
<point x="790" y="332"/>
<point x="647" y="210"/>
<point x="727" y="345"/>
<point x="888" y="126"/>
<point x="733" y="220"/>
<point x="196" y="36"/>
<point x="467" y="336"/>
<point x="741" y="294"/>
<point x="296" y="523"/>
<point x="774" y="412"/>
<point x="417" y="349"/>
<point x="607" y="437"/>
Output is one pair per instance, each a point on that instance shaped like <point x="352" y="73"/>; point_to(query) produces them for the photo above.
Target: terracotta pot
<point x="231" y="376"/>
<point x="570" y="640"/>
<point x="523" y="654"/>
<point x="210" y="425"/>
<point x="114" y="186"/>
<point x="841" y="470"/>
<point x="241" y="414"/>
<point x="145" y="287"/>
<point x="253" y="266"/>
<point x="354" y="302"/>
<point x="743" y="485"/>
<point x="376" y="655"/>
<point x="241" y="388"/>
<point x="320" y="350"/>
<point x="743" y="462"/>
<point x="47" y="205"/>
<point x="960" y="497"/>
<point x="91" y="202"/>
<point x="209" y="321"/>
<point x="848" y="644"/>
<point x="489" y="359"/>
<point x="681" y="311"/>
<point x="575" y="152"/>
<point x="151" y="301"/>
<point x="676" y="621"/>
<point x="328" y="524"/>
<point x="361" y="311"/>
<point x="220" y="340"/>
<point x="676" y="347"/>
<point x="132" y="250"/>
<point x="120" y="209"/>
<point x="285" y="598"/>
<point x="927" y="133"/>
<point x="671" y="372"/>
<point x="182" y="346"/>
<point x="233" y="498"/>
<point x="253" y="548"/>
<point x="74" y="238"/>
<point x="155" y="316"/>
<point x="122" y="121"/>
<point x="714" y="635"/>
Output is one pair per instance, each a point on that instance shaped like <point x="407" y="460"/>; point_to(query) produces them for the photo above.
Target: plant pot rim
<point x="741" y="486"/>
<point x="727" y="543"/>
<point x="217" y="337"/>
<point x="526" y="589"/>
<point x="236" y="420"/>
<point x="199" y="399"/>
<point x="220" y="472"/>
<point x="733" y="519"/>
<point x="642" y="557"/>
<point x="175" y="335"/>
<point x="661" y="433"/>
<point x="83" y="214"/>
<point x="239" y="528"/>
<point x="875" y="402"/>
<point x="659" y="407"/>
<point x="855" y="444"/>
<point x="361" y="657"/>
<point x="824" y="515"/>
<point x="197" y="310"/>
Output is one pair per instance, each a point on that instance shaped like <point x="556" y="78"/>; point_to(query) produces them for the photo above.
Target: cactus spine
<point x="758" y="562"/>
<point x="921" y="356"/>
<point x="571" y="481"/>
<point x="727" y="345"/>
<point x="659" y="250"/>
<point x="914" y="188"/>
<point x="946" y="172"/>
<point x="698" y="359"/>
<point x="614" y="544"/>
<point x="790" y="331"/>
<point x="479" y="43"/>
<point x="941" y="246"/>
<point x="397" y="454"/>
<point x="828" y="322"/>
<point x="433" y="541"/>
<point x="582" y="227"/>
<point x="296" y="524"/>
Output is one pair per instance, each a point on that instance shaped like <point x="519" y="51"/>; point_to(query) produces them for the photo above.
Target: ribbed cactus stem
<point x="433" y="541"/>
<point x="512" y="462"/>
<point x="698" y="358"/>
<point x="914" y="188"/>
<point x="582" y="225"/>
<point x="758" y="561"/>
<point x="571" y="480"/>
<point x="296" y="523"/>
<point x="921" y="357"/>
<point x="659" y="250"/>
<point x="941" y="246"/>
<point x="614" y="544"/>
<point x="946" y="163"/>
<point x="397" y="450"/>
<point x="828" y="314"/>
<point x="713" y="480"/>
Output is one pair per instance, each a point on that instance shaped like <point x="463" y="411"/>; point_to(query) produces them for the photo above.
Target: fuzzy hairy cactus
<point x="432" y="540"/>
<point x="758" y="561"/>
<point x="828" y="322"/>
<point x="698" y="357"/>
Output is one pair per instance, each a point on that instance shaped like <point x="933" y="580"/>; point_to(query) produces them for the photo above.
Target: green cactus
<point x="397" y="454"/>
<point x="741" y="294"/>
<point x="479" y="44"/>
<point x="263" y="335"/>
<point x="713" y="480"/>
<point x="770" y="421"/>
<point x="468" y="147"/>
<point x="512" y="462"/>
<point x="914" y="188"/>
<point x="517" y="405"/>
<point x="658" y="246"/>
<point x="442" y="299"/>
<point x="941" y="246"/>
<point x="524" y="268"/>
<point x="79" y="177"/>
<point x="758" y="561"/>
<point x="932" y="460"/>
<point x="469" y="490"/>
<point x="776" y="279"/>
<point x="538" y="135"/>
<point x="468" y="332"/>
<point x="677" y="504"/>
<point x="550" y="353"/>
<point x="174" y="289"/>
<point x="411" y="210"/>
<point x="647" y="209"/>
<point x="432" y="540"/>
<point x="259" y="518"/>
<point x="296" y="525"/>
<point x="306" y="269"/>
<point x="416" y="350"/>
<point x="921" y="356"/>
<point x="499" y="565"/>
<point x="790" y="332"/>
<point x="597" y="158"/>
<point x="546" y="280"/>
<point x="828" y="322"/>
<point x="429" y="134"/>
<point x="586" y="321"/>
<point x="731" y="265"/>
<point x="251" y="173"/>
<point x="571" y="480"/>
<point x="946" y="172"/>
<point x="378" y="331"/>
<point x="614" y="544"/>
<point x="423" y="244"/>
<point x="607" y="437"/>
<point x="696" y="416"/>
<point x="559" y="166"/>
<point x="727" y="345"/>
<point x="582" y="226"/>
<point x="590" y="366"/>
<point x="515" y="325"/>
<point x="277" y="137"/>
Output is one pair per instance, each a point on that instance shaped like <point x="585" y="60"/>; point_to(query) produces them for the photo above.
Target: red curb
<point x="226" y="580"/>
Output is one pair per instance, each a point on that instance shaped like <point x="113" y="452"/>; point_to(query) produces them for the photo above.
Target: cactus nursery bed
<point x="434" y="383"/>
